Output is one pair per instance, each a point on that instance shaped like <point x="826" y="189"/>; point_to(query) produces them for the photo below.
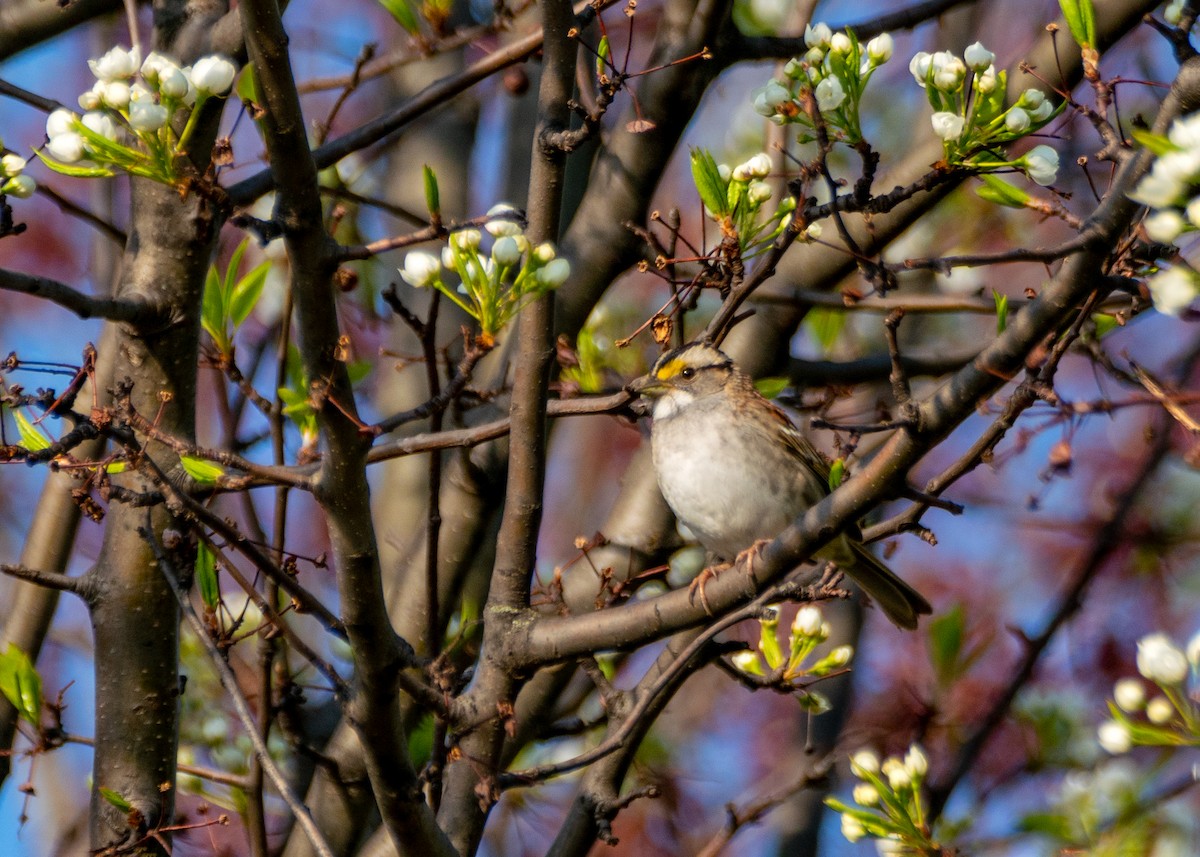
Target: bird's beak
<point x="647" y="385"/>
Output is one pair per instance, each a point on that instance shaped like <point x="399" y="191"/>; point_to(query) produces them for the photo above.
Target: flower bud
<point x="852" y="828"/>
<point x="880" y="49"/>
<point x="502" y="220"/>
<point x="1041" y="162"/>
<point x="60" y="122"/>
<point x="448" y="259"/>
<point x="12" y="165"/>
<point x="986" y="80"/>
<point x="840" y="44"/>
<point x="830" y="94"/>
<point x="1016" y="120"/>
<point x="1160" y="660"/>
<point x="807" y="622"/>
<point x="544" y="252"/>
<point x="172" y="83"/>
<point x="919" y="66"/>
<point x="1164" y="226"/>
<point x="420" y="269"/>
<point x="67" y="147"/>
<point x="747" y="662"/>
<point x="1160" y="711"/>
<point x="758" y="193"/>
<point x="865" y="794"/>
<point x="117" y="64"/>
<point x="554" y="274"/>
<point x="948" y="126"/>
<point x="466" y="239"/>
<point x="916" y="762"/>
<point x="146" y="116"/>
<point x="1032" y="98"/>
<point x="1129" y="695"/>
<point x="1114" y="737"/>
<point x="100" y="123"/>
<point x="978" y="57"/>
<point x="817" y="36"/>
<point x="116" y="94"/>
<point x="505" y="252"/>
<point x="213" y="75"/>
<point x="21" y="187"/>
<point x="864" y="762"/>
<point x="897" y="774"/>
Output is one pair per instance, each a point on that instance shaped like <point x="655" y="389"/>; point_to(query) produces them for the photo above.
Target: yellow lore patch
<point x="669" y="369"/>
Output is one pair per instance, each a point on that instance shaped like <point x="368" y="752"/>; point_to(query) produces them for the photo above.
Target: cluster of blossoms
<point x="888" y="805"/>
<point x="131" y="113"/>
<point x="809" y="629"/>
<point x="13" y="181"/>
<point x="1169" y="718"/>
<point x="737" y="198"/>
<point x="493" y="286"/>
<point x="1172" y="190"/>
<point x="967" y="96"/>
<point x="833" y="74"/>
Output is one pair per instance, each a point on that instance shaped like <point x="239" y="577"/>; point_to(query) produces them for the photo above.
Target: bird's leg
<point x="748" y="556"/>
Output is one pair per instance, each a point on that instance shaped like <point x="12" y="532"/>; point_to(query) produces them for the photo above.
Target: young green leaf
<point x="246" y="293"/>
<point x="206" y="576"/>
<point x="947" y="633"/>
<point x="204" y="472"/>
<point x="403" y="13"/>
<point x="770" y="388"/>
<point x="21" y="684"/>
<point x="837" y="472"/>
<point x="1080" y="16"/>
<point x="212" y="310"/>
<point x="1105" y="324"/>
<point x="1001" y="310"/>
<point x="433" y="199"/>
<point x="709" y="182"/>
<point x="31" y="438"/>
<point x="1158" y="144"/>
<point x="999" y="191"/>
<point x="825" y="325"/>
<point x="602" y="52"/>
<point x="115" y="798"/>
<point x="115" y="467"/>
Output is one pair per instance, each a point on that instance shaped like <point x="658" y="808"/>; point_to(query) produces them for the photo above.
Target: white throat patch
<point x="670" y="404"/>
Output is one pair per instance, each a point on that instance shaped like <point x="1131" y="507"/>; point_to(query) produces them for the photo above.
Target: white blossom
<point x="817" y="36"/>
<point x="1159" y="659"/>
<point x="1174" y="12"/>
<point x="1114" y="737"/>
<point x="1041" y="162"/>
<point x="890" y="847"/>
<point x="213" y="75"/>
<point x="978" y="57"/>
<point x="1172" y="291"/>
<point x="948" y="126"/>
<point x="948" y="71"/>
<point x="852" y="828"/>
<point x="100" y="123"/>
<point x="746" y="661"/>
<point x="881" y="48"/>
<point x="116" y="94"/>
<point x="92" y="98"/>
<point x="1185" y="132"/>
<point x="759" y="166"/>
<point x="1156" y="191"/>
<point x="1165" y="225"/>
<point x="448" y="261"/>
<point x="866" y="794"/>
<point x="1192" y="210"/>
<point x="466" y="239"/>
<point x="1016" y="120"/>
<point x="503" y="220"/>
<point x="420" y="269"/>
<point x="1032" y="98"/>
<point x="770" y="98"/>
<point x="758" y="192"/>
<point x="66" y="147"/>
<point x="1129" y="694"/>
<point x="154" y="64"/>
<point x="544" y="252"/>
<point x="840" y="44"/>
<point x="830" y="94"/>
<point x="60" y="122"/>
<point x="172" y="83"/>
<point x="916" y="762"/>
<point x="986" y="80"/>
<point x="117" y="64"/>
<point x="898" y="776"/>
<point x="839" y="657"/>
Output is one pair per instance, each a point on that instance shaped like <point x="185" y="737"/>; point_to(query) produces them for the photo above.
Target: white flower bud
<point x="1041" y="162"/>
<point x="117" y="64"/>
<point x="544" y="252"/>
<point x="466" y="239"/>
<point x="146" y="116"/>
<point x="448" y="259"/>
<point x="506" y="252"/>
<point x="830" y="94"/>
<point x="420" y="269"/>
<point x="213" y="75"/>
<point x="21" y="187"/>
<point x="919" y="66"/>
<point x="817" y="36"/>
<point x="758" y="193"/>
<point x="793" y="68"/>
<point x="1172" y="291"/>
<point x="1174" y="12"/>
<point x="555" y="273"/>
<point x="1114" y="737"/>
<point x="1042" y="112"/>
<point x="757" y="167"/>
<point x="807" y="622"/>
<point x="100" y="123"/>
<point x="813" y="57"/>
<point x="839" y="657"/>
<point x="1157" y="191"/>
<point x="12" y="165"/>
<point x="1165" y="225"/>
<point x="897" y="774"/>
<point x="67" y="147"/>
<point x="880" y="49"/>
<point x="1160" y="711"/>
<point x="978" y="57"/>
<point x="502" y="220"/>
<point x="813" y="231"/>
<point x="1129" y="695"/>
<point x="60" y="122"/>
<point x="916" y="762"/>
<point x="864" y="762"/>
<point x="1032" y="98"/>
<point x="1159" y="659"/>
<point x="840" y="44"/>
<point x="948" y="126"/>
<point x="91" y="99"/>
<point x="116" y="94"/>
<point x="1016" y="120"/>
<point x="865" y="794"/>
<point x="852" y="828"/>
<point x="1185" y="132"/>
<point x="948" y="71"/>
<point x="172" y="83"/>
<point x="747" y="662"/>
<point x="986" y="80"/>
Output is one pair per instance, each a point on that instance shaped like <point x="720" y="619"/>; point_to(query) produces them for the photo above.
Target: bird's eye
<point x="688" y="372"/>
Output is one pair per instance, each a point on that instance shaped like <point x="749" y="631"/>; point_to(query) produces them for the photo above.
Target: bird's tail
<point x="899" y="601"/>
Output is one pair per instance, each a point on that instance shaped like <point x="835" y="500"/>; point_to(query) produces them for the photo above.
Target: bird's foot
<point x="748" y="556"/>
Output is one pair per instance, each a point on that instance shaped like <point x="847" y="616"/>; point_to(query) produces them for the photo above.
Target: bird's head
<point x="682" y="376"/>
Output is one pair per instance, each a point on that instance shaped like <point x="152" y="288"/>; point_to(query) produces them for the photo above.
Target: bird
<point x="736" y="471"/>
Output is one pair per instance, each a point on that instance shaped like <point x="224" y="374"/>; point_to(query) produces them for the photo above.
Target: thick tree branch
<point x="131" y="310"/>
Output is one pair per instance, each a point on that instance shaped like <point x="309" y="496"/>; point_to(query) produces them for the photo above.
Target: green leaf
<point x="1156" y="143"/>
<point x="206" y="576"/>
<point x="116" y="467"/>
<point x="1001" y="310"/>
<point x="603" y="50"/>
<point x="247" y="84"/>
<point x="433" y="198"/>
<point x="1105" y="324"/>
<point x="77" y="172"/>
<point x="247" y="292"/>
<point x="212" y="310"/>
<point x="235" y="262"/>
<point x="404" y="14"/>
<point x="203" y="471"/>
<point x="825" y="325"/>
<point x="21" y="684"/>
<point x="709" y="183"/>
<point x="837" y="472"/>
<point x="115" y="799"/>
<point x="947" y="633"/>
<point x="770" y="388"/>
<point x="997" y="190"/>
<point x="358" y="369"/>
<point x="1080" y="16"/>
<point x="31" y="438"/>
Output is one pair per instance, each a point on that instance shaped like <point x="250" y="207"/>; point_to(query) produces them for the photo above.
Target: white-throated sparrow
<point x="735" y="470"/>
